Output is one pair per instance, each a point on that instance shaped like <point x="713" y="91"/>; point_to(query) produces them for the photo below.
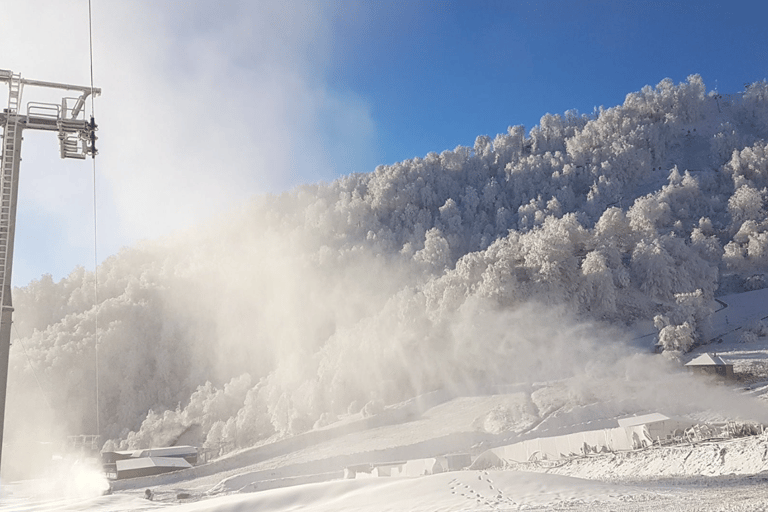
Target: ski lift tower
<point x="77" y="139"/>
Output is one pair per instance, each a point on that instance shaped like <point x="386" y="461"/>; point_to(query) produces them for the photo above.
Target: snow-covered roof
<point x="148" y="462"/>
<point x="129" y="453"/>
<point x="170" y="451"/>
<point x="633" y="421"/>
<point x="707" y="360"/>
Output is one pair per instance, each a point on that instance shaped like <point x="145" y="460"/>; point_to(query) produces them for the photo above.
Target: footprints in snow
<point x="494" y="500"/>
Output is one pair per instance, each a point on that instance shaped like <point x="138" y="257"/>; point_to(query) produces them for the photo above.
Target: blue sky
<point x="207" y="103"/>
<point x="446" y="72"/>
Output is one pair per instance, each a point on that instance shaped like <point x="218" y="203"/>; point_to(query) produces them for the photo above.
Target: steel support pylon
<point x="77" y="139"/>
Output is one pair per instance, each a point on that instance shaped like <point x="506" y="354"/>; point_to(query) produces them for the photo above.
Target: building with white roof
<point x="147" y="466"/>
<point x="710" y="364"/>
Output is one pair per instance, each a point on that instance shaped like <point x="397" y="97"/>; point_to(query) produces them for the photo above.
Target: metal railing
<point x="42" y="115"/>
<point x="76" y="111"/>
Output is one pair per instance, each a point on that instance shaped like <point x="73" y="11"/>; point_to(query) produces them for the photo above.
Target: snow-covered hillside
<point x="545" y="256"/>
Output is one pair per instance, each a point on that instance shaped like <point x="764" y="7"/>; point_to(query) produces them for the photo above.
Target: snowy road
<point x="449" y="492"/>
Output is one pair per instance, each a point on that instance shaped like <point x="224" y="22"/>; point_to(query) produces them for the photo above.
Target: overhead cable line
<point x="95" y="237"/>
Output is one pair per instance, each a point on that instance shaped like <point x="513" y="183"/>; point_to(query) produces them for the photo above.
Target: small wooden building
<point x="710" y="364"/>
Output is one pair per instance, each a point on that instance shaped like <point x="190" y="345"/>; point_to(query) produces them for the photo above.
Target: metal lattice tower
<point x="8" y="171"/>
<point x="77" y="139"/>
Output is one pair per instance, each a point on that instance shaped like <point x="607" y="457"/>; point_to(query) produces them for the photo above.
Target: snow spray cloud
<point x="32" y="435"/>
<point x="234" y="100"/>
<point x="479" y="348"/>
<point x="38" y="422"/>
<point x="307" y="327"/>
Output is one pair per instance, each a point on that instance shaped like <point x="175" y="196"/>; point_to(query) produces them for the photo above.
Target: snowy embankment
<point x="746" y="456"/>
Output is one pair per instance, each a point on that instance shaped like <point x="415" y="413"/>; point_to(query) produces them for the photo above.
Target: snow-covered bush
<point x="676" y="338"/>
<point x="373" y="408"/>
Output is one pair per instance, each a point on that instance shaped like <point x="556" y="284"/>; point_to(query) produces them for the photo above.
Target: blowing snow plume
<point x="500" y="263"/>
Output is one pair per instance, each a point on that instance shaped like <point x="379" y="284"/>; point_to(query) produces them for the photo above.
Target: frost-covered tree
<point x="676" y="338"/>
<point x="598" y="292"/>
<point x="746" y="204"/>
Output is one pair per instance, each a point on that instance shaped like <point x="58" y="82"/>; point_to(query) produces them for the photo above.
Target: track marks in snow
<point x="482" y="493"/>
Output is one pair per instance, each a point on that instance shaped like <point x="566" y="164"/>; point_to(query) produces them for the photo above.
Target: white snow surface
<point x="466" y="490"/>
<point x="454" y="491"/>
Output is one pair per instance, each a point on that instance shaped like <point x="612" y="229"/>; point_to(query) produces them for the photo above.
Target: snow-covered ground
<point x="455" y="491"/>
<point x="305" y="472"/>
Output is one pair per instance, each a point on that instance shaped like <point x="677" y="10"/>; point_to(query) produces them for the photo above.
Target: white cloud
<point x="204" y="105"/>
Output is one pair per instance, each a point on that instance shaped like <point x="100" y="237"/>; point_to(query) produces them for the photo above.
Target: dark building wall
<point x="724" y="371"/>
<point x="138" y="472"/>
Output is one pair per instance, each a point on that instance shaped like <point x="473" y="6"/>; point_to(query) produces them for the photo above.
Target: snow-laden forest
<point x="529" y="256"/>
